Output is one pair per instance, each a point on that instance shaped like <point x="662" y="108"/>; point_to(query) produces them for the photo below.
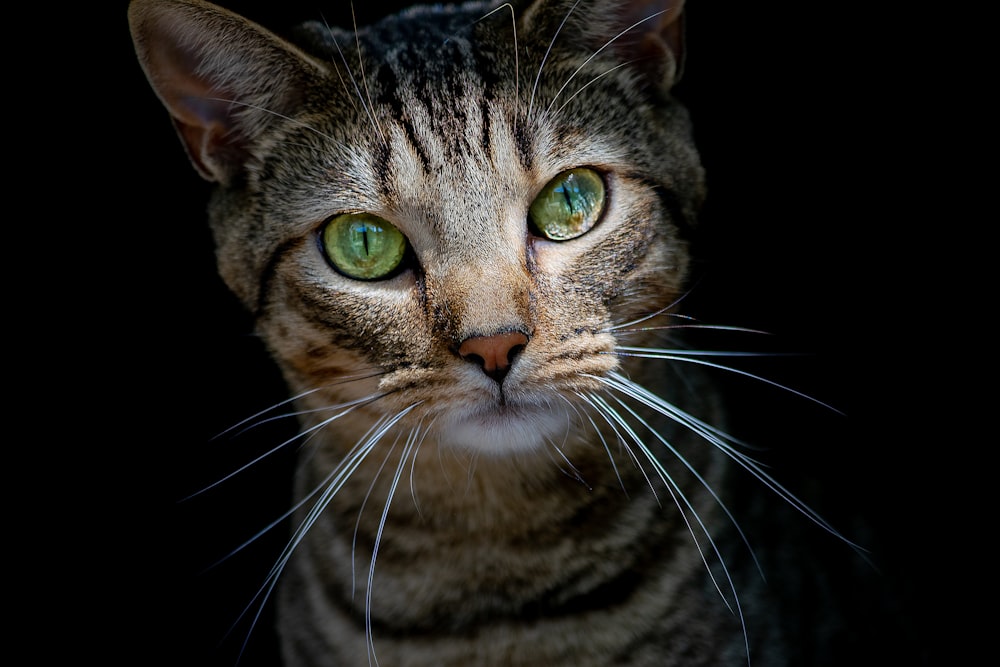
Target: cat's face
<point x="463" y="231"/>
<point x="445" y="215"/>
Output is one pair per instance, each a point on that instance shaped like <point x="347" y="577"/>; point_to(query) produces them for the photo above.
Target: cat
<point x="463" y="233"/>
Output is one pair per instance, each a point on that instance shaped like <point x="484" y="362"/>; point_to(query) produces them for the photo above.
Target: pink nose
<point x="494" y="354"/>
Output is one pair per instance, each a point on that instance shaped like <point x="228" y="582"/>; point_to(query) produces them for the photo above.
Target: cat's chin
<point x="506" y="430"/>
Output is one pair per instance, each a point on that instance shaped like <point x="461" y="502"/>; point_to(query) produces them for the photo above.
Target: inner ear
<point x="664" y="47"/>
<point x="652" y="38"/>
<point x="647" y="35"/>
<point x="204" y="62"/>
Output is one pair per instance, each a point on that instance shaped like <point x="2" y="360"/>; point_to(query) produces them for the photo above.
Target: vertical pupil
<point x="569" y="205"/>
<point x="567" y="196"/>
<point x="362" y="229"/>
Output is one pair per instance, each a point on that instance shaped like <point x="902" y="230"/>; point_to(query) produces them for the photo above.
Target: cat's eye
<point x="363" y="246"/>
<point x="569" y="205"/>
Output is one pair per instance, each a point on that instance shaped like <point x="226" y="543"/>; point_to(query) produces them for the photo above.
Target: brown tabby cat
<point x="462" y="234"/>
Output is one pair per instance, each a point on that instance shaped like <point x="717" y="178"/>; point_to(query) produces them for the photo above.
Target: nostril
<point x="514" y="351"/>
<point x="475" y="358"/>
<point x="494" y="354"/>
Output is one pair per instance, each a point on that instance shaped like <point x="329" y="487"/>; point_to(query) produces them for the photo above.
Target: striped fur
<point x="563" y="516"/>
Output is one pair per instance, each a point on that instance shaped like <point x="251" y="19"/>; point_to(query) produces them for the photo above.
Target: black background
<point x="811" y="203"/>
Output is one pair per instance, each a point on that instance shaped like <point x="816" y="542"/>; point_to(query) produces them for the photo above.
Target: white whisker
<point x="374" y="434"/>
<point x="604" y="442"/>
<point x="709" y="433"/>
<point x="345" y="408"/>
<point x="245" y="424"/>
<point x="691" y="323"/>
<point x="722" y="441"/>
<point x="336" y="67"/>
<point x="364" y="504"/>
<point x="541" y="65"/>
<point x="360" y="96"/>
<point x="658" y="353"/>
<point x="413" y="490"/>
<point x="294" y="121"/>
<point x="330" y="486"/>
<point x="612" y="419"/>
<point x="364" y="80"/>
<point x="517" y="67"/>
<point x="701" y="327"/>
<point x="589" y="83"/>
<point x="412" y="444"/>
<point x="573" y="472"/>
<point x="678" y="497"/>
<point x="665" y="310"/>
<point x="598" y="51"/>
<point x="687" y="357"/>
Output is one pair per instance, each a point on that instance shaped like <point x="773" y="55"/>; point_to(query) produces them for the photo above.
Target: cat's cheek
<point x="567" y="265"/>
<point x="382" y="323"/>
<point x="576" y="282"/>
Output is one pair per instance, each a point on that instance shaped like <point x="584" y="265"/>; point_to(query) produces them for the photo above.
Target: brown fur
<point x="522" y="524"/>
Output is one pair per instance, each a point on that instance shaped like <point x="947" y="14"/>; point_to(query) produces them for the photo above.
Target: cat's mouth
<point x="504" y="427"/>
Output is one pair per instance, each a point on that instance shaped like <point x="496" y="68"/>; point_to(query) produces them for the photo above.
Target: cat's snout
<point x="494" y="354"/>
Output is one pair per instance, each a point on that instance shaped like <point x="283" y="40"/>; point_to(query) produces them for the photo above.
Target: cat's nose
<point x="494" y="354"/>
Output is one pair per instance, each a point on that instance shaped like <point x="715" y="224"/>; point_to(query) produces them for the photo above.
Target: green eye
<point x="569" y="205"/>
<point x="363" y="246"/>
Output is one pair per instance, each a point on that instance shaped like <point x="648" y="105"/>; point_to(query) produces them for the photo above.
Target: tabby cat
<point x="463" y="234"/>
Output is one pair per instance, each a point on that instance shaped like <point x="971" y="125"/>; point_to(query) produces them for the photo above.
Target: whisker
<point x="300" y="503"/>
<point x="370" y="644"/>
<point x="361" y="511"/>
<point x="598" y="406"/>
<point x="294" y="121"/>
<point x="604" y="442"/>
<point x="517" y="67"/>
<point x="333" y="482"/>
<point x="364" y="80"/>
<point x="654" y="353"/>
<point x="541" y="65"/>
<point x="656" y="313"/>
<point x="692" y="323"/>
<point x="598" y="51"/>
<point x="712" y="435"/>
<point x="260" y="533"/>
<point x="345" y="408"/>
<point x="591" y="82"/>
<point x="572" y="472"/>
<point x="340" y="75"/>
<point x="245" y="423"/>
<point x="684" y="356"/>
<point x="702" y="327"/>
<point x="413" y="490"/>
<point x="677" y="496"/>
<point x="702" y="429"/>
<point x="293" y="509"/>
<point x="360" y="97"/>
<point x="413" y="441"/>
<point x="331" y="485"/>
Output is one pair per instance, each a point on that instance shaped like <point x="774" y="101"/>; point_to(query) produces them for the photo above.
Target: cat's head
<point x="461" y="204"/>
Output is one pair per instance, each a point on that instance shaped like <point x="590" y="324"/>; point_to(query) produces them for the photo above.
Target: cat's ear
<point x="205" y="64"/>
<point x="648" y="35"/>
<point x="657" y="38"/>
